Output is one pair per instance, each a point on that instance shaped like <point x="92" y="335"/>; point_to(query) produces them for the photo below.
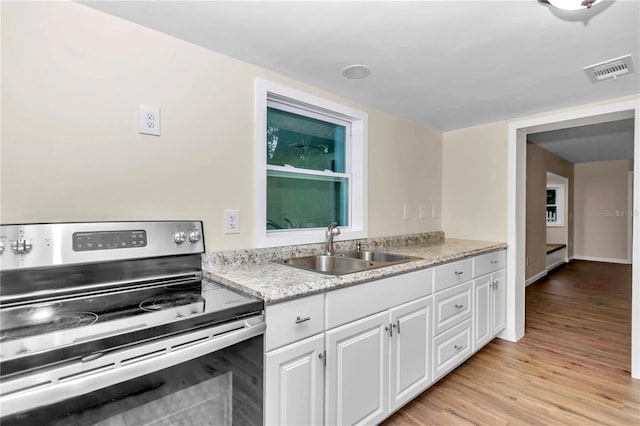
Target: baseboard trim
<point x="556" y="264"/>
<point x="602" y="259"/>
<point x="535" y="278"/>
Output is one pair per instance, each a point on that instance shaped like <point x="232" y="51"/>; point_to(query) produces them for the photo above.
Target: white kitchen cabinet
<point x="482" y="292"/>
<point x="489" y="298"/>
<point x="377" y="364"/>
<point x="295" y="383"/>
<point x="452" y="306"/>
<point x="451" y="274"/>
<point x="357" y="354"/>
<point x="410" y="351"/>
<point x="498" y="302"/>
<point x="451" y="348"/>
<point x="294" y="320"/>
<point x="357" y="374"/>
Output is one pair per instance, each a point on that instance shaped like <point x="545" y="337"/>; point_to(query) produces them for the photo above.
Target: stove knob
<point x="21" y="246"/>
<point x="194" y="236"/>
<point x="1" y="247"/>
<point x="179" y="237"/>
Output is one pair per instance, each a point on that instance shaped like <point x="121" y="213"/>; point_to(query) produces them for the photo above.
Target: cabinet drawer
<point x="451" y="307"/>
<point x="291" y="321"/>
<point x="489" y="262"/>
<point x="451" y="348"/>
<point x="452" y="273"/>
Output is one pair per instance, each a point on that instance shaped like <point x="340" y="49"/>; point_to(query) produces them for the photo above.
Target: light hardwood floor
<point x="571" y="368"/>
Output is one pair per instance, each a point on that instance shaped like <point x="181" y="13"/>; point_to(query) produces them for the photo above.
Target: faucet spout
<point x="332" y="231"/>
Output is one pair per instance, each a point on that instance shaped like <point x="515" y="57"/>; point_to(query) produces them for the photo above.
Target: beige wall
<point x="474" y="185"/>
<point x="539" y="162"/>
<point x="474" y="178"/>
<point x="72" y="80"/>
<point x="601" y="209"/>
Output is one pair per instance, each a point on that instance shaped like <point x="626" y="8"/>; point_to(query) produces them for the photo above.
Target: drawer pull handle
<point x="494" y="261"/>
<point x="459" y="306"/>
<point x="458" y="272"/>
<point x="458" y="347"/>
<point x="300" y="319"/>
<point x="389" y="329"/>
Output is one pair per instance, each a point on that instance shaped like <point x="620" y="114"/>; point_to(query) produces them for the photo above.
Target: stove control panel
<point x="42" y="245"/>
<point x="109" y="240"/>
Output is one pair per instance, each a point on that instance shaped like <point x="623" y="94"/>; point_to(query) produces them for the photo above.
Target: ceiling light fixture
<point x="572" y="4"/>
<point x="356" y="71"/>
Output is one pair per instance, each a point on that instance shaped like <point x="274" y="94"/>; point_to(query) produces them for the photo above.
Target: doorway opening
<point x="516" y="257"/>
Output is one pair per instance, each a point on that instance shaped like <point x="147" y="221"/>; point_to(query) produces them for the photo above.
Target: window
<point x="310" y="167"/>
<point x="555" y="205"/>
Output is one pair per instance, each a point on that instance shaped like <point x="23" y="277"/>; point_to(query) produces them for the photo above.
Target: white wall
<point x="72" y="80"/>
<point x="601" y="210"/>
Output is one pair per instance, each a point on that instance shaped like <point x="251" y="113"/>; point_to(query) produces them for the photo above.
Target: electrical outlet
<point x="421" y="211"/>
<point x="232" y="221"/>
<point x="149" y="120"/>
<point x="434" y="212"/>
<point x="405" y="212"/>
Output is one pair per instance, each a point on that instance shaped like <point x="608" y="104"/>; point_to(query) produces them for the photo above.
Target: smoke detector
<point x="613" y="68"/>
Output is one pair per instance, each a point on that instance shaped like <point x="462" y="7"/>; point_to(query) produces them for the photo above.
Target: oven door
<point x="206" y="377"/>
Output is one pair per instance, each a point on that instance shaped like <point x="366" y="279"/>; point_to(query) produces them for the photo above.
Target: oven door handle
<point x="58" y="384"/>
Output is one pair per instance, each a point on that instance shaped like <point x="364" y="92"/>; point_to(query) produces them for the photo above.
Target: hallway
<point x="571" y="368"/>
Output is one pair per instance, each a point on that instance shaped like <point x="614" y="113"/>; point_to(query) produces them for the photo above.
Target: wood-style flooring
<point x="571" y="368"/>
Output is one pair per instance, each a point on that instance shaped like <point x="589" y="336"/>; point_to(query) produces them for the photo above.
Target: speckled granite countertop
<point x="273" y="282"/>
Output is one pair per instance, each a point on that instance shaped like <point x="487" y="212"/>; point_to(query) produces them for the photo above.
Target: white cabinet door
<point x="357" y="372"/>
<point x="499" y="302"/>
<point x="410" y="351"/>
<point x="482" y="316"/>
<point x="295" y="383"/>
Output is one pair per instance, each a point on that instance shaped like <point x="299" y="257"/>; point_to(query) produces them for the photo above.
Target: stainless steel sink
<point x="376" y="256"/>
<point x="334" y="265"/>
<point x="346" y="263"/>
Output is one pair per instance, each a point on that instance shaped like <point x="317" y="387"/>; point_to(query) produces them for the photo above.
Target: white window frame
<point x="268" y="93"/>
<point x="559" y="205"/>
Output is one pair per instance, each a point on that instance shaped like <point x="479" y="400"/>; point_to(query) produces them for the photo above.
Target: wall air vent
<point x="612" y="68"/>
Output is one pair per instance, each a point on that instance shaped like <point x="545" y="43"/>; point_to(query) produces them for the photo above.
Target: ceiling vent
<point x="612" y="68"/>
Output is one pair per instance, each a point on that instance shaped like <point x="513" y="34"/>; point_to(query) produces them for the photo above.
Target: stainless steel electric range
<point x="112" y="323"/>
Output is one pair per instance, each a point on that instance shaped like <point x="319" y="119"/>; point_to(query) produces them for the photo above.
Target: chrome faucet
<point x="332" y="231"/>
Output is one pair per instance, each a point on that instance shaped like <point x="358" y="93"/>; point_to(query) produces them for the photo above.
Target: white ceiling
<point x="444" y="64"/>
<point x="597" y="142"/>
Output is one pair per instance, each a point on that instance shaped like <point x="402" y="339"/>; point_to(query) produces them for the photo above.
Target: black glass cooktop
<point x="36" y="334"/>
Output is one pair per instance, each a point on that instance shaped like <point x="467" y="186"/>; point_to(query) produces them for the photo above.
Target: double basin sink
<point x="347" y="263"/>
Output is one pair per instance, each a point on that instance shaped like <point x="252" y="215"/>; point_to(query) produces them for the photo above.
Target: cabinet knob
<point x="300" y="319"/>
